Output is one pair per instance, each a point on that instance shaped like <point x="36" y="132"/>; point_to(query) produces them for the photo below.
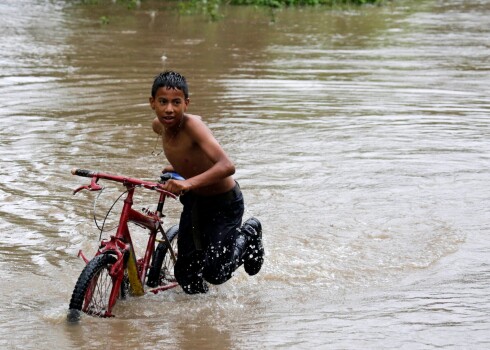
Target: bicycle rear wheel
<point x="93" y="288"/>
<point x="161" y="272"/>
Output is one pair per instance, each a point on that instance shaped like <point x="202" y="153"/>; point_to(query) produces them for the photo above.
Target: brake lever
<point x="92" y="187"/>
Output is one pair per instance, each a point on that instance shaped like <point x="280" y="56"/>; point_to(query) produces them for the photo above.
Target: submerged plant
<point x="208" y="7"/>
<point x="104" y="20"/>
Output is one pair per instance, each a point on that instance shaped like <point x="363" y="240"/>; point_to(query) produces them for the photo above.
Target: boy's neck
<point x="173" y="131"/>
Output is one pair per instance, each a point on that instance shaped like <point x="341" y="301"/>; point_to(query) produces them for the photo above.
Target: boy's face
<point x="169" y="106"/>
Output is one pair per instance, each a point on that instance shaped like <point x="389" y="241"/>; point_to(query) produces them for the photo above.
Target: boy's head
<point x="170" y="80"/>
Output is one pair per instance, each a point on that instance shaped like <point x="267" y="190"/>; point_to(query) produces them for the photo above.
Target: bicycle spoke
<point x="100" y="291"/>
<point x="167" y="273"/>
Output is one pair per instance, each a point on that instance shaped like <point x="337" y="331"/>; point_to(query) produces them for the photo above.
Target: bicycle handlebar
<point x="126" y="181"/>
<point x="82" y="172"/>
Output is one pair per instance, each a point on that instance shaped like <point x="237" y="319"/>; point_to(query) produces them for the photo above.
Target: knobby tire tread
<point x="90" y="270"/>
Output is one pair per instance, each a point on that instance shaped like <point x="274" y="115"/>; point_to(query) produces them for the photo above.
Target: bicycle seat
<point x="170" y="176"/>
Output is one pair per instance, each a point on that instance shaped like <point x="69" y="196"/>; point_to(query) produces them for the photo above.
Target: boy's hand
<point x="177" y="187"/>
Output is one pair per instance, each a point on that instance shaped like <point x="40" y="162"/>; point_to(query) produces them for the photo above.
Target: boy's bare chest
<point x="178" y="147"/>
<point x="183" y="152"/>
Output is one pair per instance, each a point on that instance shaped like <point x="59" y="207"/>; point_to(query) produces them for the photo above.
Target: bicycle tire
<point x="94" y="278"/>
<point x="161" y="271"/>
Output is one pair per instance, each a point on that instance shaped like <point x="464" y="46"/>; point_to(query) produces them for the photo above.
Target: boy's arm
<point x="222" y="166"/>
<point x="157" y="126"/>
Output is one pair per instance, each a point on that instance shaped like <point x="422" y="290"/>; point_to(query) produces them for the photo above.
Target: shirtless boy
<point x="212" y="243"/>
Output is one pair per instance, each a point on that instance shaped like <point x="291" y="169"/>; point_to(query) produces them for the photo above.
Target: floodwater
<point x="361" y="139"/>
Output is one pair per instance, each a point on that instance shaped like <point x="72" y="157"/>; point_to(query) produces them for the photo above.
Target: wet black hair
<point x="170" y="80"/>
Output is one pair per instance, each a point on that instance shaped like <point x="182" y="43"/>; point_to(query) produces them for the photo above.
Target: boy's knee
<point x="189" y="278"/>
<point x="191" y="284"/>
<point x="197" y="286"/>
<point x="216" y="274"/>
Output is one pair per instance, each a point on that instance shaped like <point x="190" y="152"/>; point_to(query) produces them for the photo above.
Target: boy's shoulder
<point x="196" y="128"/>
<point x="194" y="116"/>
<point x="193" y="121"/>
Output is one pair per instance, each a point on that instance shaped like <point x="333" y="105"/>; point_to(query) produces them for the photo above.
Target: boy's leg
<point x="242" y="245"/>
<point x="189" y="265"/>
<point x="221" y="218"/>
<point x="228" y="244"/>
<point x="188" y="272"/>
<point x="223" y="241"/>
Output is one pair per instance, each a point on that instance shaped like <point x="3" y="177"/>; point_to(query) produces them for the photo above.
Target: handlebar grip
<point x="83" y="172"/>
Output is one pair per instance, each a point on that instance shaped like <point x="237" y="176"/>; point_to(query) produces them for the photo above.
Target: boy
<point x="212" y="243"/>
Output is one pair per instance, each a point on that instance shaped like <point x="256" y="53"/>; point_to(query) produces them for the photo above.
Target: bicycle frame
<point x="121" y="244"/>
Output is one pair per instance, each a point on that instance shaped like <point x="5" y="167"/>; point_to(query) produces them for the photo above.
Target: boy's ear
<point x="152" y="100"/>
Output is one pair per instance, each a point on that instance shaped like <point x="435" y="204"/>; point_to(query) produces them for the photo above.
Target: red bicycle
<point x="115" y="271"/>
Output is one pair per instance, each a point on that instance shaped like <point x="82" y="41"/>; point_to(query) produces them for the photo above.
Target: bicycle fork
<point x="125" y="259"/>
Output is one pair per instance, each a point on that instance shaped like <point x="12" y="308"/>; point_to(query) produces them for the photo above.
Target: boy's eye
<point x="174" y="102"/>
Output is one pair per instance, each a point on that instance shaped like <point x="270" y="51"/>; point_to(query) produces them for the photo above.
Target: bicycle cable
<point x="101" y="228"/>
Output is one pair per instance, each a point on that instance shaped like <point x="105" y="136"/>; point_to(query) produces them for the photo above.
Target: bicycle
<point x="114" y="270"/>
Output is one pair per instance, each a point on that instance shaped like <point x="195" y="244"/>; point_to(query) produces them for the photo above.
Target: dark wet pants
<point x="210" y="245"/>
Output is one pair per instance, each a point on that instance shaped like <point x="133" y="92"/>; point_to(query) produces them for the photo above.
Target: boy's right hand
<point x="177" y="187"/>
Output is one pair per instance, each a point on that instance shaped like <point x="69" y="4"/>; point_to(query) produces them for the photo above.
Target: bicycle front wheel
<point x="93" y="289"/>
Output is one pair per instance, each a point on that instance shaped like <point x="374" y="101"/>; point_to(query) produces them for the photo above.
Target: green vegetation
<point x="131" y="4"/>
<point x="269" y="3"/>
<point x="280" y="3"/>
<point x="211" y="8"/>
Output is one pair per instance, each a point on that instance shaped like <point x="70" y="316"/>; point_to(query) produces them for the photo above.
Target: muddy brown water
<point x="361" y="140"/>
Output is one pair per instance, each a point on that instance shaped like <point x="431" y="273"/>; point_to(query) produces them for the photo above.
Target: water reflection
<point x="361" y="143"/>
